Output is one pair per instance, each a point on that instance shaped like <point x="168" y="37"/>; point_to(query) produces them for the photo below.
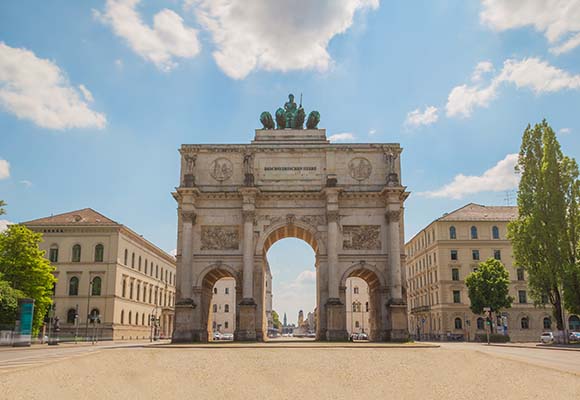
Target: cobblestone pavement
<point x="265" y="372"/>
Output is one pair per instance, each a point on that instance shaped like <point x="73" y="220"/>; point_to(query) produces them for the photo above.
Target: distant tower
<point x="300" y="318"/>
<point x="285" y="320"/>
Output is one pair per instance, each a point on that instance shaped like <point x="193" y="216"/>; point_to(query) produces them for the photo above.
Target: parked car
<point x="217" y="336"/>
<point x="547" y="337"/>
<point x="574" y="337"/>
<point x="227" y="336"/>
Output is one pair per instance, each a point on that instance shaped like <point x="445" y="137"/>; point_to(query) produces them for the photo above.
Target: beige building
<point x="440" y="257"/>
<point x="357" y="306"/>
<point x="223" y="306"/>
<point x="109" y="272"/>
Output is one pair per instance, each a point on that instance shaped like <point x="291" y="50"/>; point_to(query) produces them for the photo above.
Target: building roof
<point x="477" y="212"/>
<point x="86" y="216"/>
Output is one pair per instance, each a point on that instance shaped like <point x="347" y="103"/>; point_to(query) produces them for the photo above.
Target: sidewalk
<point x="105" y="343"/>
<point x="563" y="347"/>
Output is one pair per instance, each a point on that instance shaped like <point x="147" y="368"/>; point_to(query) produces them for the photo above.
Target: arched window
<point x="574" y="323"/>
<point x="226" y="325"/>
<point x="547" y="323"/>
<point x="136" y="318"/>
<point x="525" y="323"/>
<point x="71" y="315"/>
<point x="73" y="286"/>
<point x="122" y="316"/>
<point x="76" y="253"/>
<point x="214" y="290"/>
<point x="495" y="232"/>
<point x="99" y="253"/>
<point x="452" y="232"/>
<point x="95" y="315"/>
<point x="96" y="289"/>
<point x="458" y="323"/>
<point x="130" y="319"/>
<point x="126" y="258"/>
<point x="53" y="253"/>
<point x="480" y="323"/>
<point x="215" y="308"/>
<point x="227" y="308"/>
<point x="357" y="324"/>
<point x="474" y="232"/>
<point x="355" y="290"/>
<point x="132" y="260"/>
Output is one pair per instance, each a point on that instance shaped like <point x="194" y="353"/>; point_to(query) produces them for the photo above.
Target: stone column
<point x="248" y="275"/>
<point x="393" y="217"/>
<point x="184" y="268"/>
<point x="332" y="233"/>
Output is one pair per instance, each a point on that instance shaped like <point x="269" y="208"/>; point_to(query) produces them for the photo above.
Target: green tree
<point x="8" y="302"/>
<point x="544" y="236"/>
<point x="2" y="205"/>
<point x="24" y="267"/>
<point x="488" y="286"/>
<point x="276" y="320"/>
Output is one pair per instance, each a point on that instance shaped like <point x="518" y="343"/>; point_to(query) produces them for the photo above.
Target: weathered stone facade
<point x="235" y="201"/>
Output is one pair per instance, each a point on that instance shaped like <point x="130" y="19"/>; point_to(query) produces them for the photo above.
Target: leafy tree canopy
<point x="8" y="302"/>
<point x="489" y="287"/>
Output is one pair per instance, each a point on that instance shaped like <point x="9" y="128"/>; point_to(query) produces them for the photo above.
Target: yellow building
<point x="357" y="306"/>
<point x="107" y="273"/>
<point x="440" y="257"/>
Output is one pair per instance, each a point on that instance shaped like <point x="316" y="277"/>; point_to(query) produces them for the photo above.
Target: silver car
<point x="547" y="337"/>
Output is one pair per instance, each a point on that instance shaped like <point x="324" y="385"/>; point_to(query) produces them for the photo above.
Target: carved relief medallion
<point x="361" y="237"/>
<point x="221" y="169"/>
<point x="220" y="237"/>
<point x="360" y="168"/>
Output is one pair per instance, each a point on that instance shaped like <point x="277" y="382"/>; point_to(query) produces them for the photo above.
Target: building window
<point x="144" y="292"/>
<point x="480" y="323"/>
<point x="547" y="323"/>
<point x="474" y="232"/>
<point x="458" y="323"/>
<point x="226" y="325"/>
<point x="53" y="253"/>
<point x="99" y="253"/>
<point x="76" y="253"/>
<point x="367" y="306"/>
<point x="143" y="319"/>
<point x="136" y="318"/>
<point x="214" y="290"/>
<point x="495" y="232"/>
<point x="522" y="296"/>
<point x="95" y="315"/>
<point x="132" y="265"/>
<point x="96" y="288"/>
<point x="146" y="264"/>
<point x="452" y="233"/>
<point x="130" y="319"/>
<point x="215" y="308"/>
<point x="356" y="306"/>
<point x="454" y="255"/>
<point x="475" y="255"/>
<point x="157" y="271"/>
<point x="227" y="308"/>
<point x="131" y="293"/>
<point x="457" y="296"/>
<point x="357" y="324"/>
<point x="139" y="264"/>
<point x="574" y="323"/>
<point x="138" y="291"/>
<point x="71" y="316"/>
<point x="356" y="290"/>
<point x="126" y="258"/>
<point x="497" y="254"/>
<point x="227" y="290"/>
<point x="455" y="274"/>
<point x="520" y="273"/>
<point x="214" y="325"/>
<point x="124" y="287"/>
<point x="122" y="316"/>
<point x="150" y="292"/>
<point x="73" y="286"/>
<point x="525" y="323"/>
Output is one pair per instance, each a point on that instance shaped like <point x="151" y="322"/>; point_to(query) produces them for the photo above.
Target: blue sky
<point x="97" y="96"/>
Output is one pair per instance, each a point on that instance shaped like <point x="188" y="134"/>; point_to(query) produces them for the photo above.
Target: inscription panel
<point x="277" y="169"/>
<point x="220" y="237"/>
<point x="361" y="237"/>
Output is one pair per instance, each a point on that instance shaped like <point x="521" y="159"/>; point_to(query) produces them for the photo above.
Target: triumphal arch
<point x="236" y="200"/>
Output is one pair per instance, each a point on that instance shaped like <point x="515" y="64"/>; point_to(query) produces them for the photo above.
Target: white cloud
<point x="26" y="183"/>
<point x="481" y="69"/>
<point x="173" y="252"/>
<point x="86" y="93"/>
<point x="417" y="118"/>
<point x="4" y="224"/>
<point x="496" y="179"/>
<point x="274" y="35"/>
<point x="565" y="131"/>
<point x="169" y="38"/>
<point x="531" y="73"/>
<point x="558" y="20"/>
<point x="372" y="132"/>
<point x="37" y="89"/>
<point x="341" y="137"/>
<point x="4" y="169"/>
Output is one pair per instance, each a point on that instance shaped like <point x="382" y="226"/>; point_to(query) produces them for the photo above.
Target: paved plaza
<point x="290" y="370"/>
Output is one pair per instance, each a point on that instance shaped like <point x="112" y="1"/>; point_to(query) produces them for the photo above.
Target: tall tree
<point x="543" y="233"/>
<point x="2" y="205"/>
<point x="8" y="302"/>
<point x="23" y="265"/>
<point x="488" y="286"/>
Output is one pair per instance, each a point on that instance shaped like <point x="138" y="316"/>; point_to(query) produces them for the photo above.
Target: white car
<point x="217" y="336"/>
<point x="547" y="337"/>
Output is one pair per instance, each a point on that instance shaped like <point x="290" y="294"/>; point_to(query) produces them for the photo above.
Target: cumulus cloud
<point x="498" y="178"/>
<point x="558" y="20"/>
<point x="342" y="137"/>
<point x="417" y="118"/>
<point x="299" y="293"/>
<point x="37" y="89"/>
<point x="481" y="69"/>
<point x="532" y="73"/>
<point x="280" y="35"/>
<point x="168" y="39"/>
<point x="4" y="224"/>
<point x="4" y="169"/>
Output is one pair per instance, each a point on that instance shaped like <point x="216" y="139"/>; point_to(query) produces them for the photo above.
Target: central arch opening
<point x="291" y="283"/>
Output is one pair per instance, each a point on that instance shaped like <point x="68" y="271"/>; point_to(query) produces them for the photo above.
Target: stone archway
<point x="234" y="201"/>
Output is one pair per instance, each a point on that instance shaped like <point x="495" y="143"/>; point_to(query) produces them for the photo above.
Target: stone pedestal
<point x="186" y="330"/>
<point x="336" y="321"/>
<point x="398" y="331"/>
<point x="247" y="321"/>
